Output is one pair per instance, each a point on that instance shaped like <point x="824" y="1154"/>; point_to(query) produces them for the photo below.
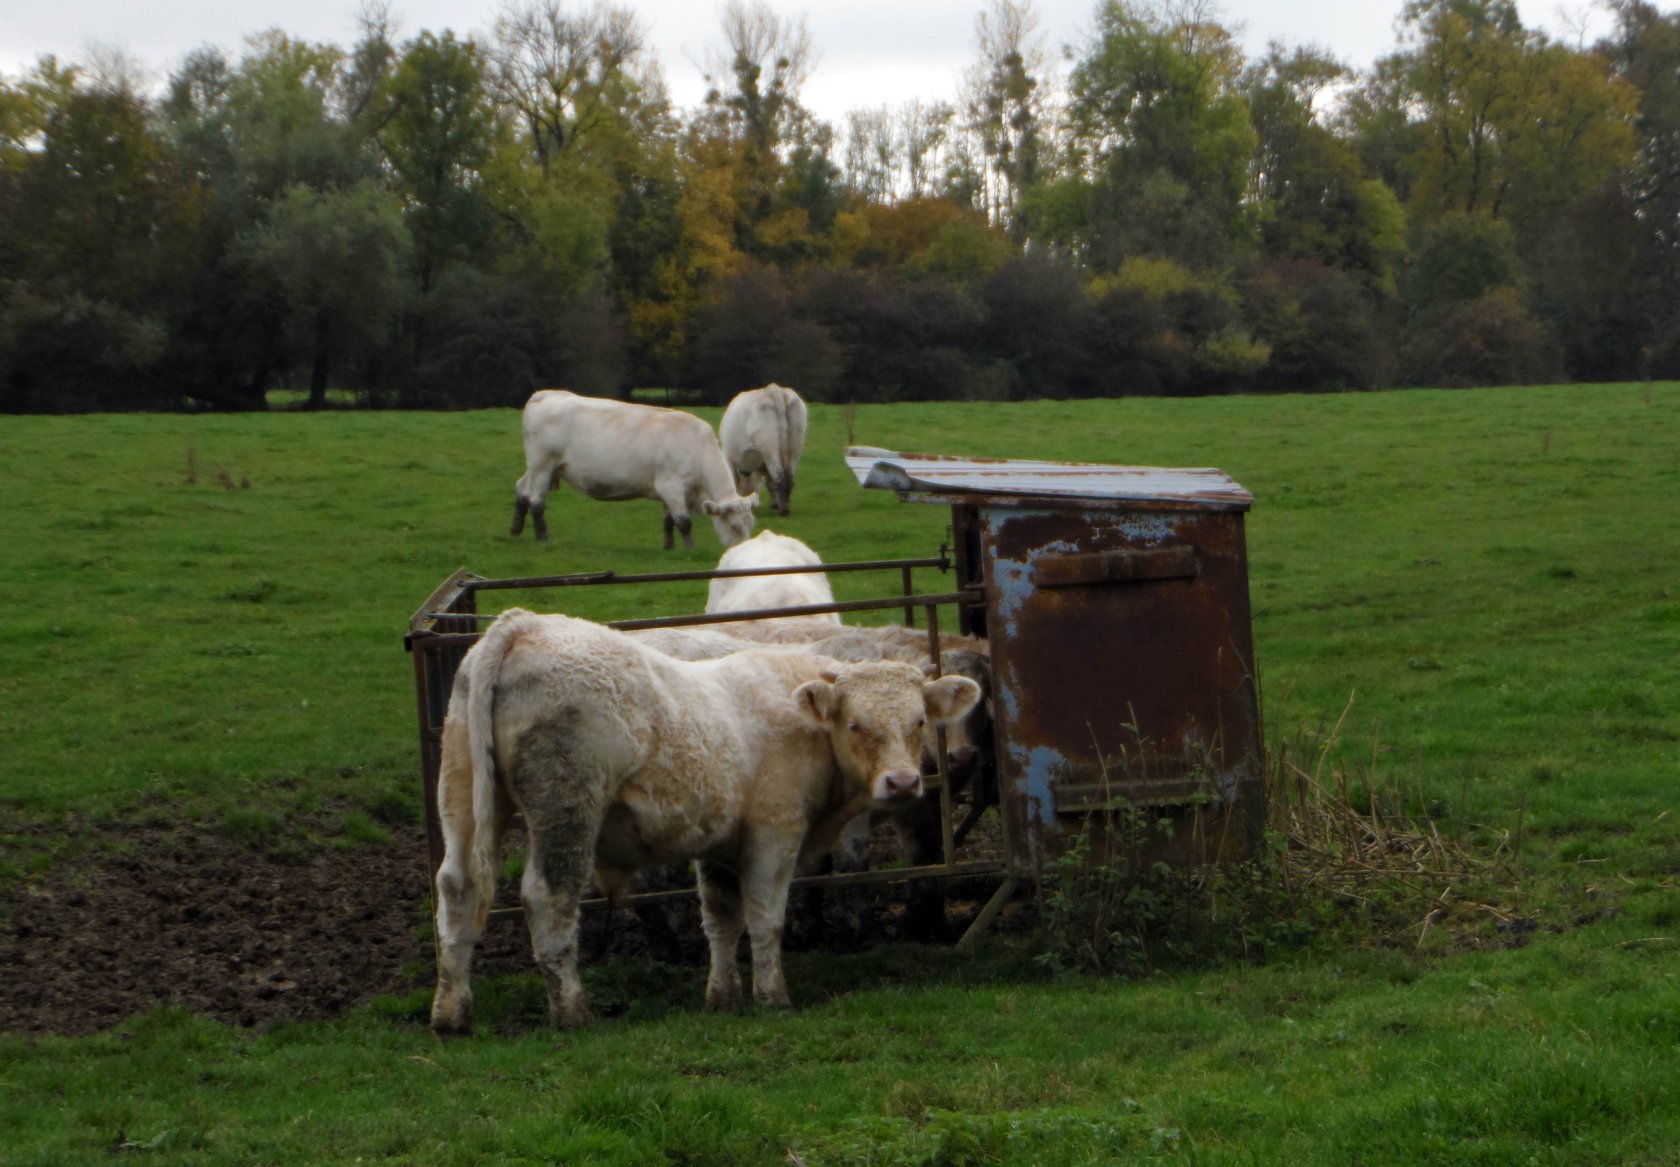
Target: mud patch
<point x="201" y="921"/>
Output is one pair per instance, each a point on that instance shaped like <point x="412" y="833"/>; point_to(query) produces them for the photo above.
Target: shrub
<point x="1489" y="341"/>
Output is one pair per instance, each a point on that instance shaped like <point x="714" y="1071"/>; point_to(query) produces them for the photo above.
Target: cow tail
<point x="785" y="487"/>
<point x="785" y="439"/>
<point x="485" y="664"/>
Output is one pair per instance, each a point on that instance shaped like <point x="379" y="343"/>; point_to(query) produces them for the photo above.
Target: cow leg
<point x="920" y="835"/>
<point x="460" y="916"/>
<point x="463" y="895"/>
<point x="530" y="495"/>
<point x="847" y="913"/>
<point x="555" y="874"/>
<point x="563" y="797"/>
<point x="764" y="891"/>
<point x="722" y="919"/>
<point x="672" y="492"/>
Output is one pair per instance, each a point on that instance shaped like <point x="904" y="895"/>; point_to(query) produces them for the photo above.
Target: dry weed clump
<point x="1341" y="858"/>
<point x="1343" y="839"/>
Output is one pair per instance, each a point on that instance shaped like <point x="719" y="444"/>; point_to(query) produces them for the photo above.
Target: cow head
<point x="878" y="715"/>
<point x="732" y="518"/>
<point x="968" y="739"/>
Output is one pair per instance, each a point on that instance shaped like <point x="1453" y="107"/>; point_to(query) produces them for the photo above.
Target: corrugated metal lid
<point x="948" y="475"/>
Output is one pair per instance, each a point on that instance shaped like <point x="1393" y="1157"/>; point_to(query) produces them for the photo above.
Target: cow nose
<point x="901" y="783"/>
<point x="961" y="757"/>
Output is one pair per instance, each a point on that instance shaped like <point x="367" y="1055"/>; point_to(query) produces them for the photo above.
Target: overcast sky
<point x="869" y="52"/>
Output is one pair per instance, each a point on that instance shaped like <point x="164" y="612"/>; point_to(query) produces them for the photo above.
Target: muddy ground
<point x="199" y="920"/>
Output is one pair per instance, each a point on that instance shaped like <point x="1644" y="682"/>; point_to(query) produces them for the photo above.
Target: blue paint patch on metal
<point x="1014" y="586"/>
<point x="1150" y="529"/>
<point x="1008" y="700"/>
<point x="1041" y="768"/>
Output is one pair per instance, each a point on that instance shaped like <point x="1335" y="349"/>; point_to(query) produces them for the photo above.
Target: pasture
<point x="1479" y="591"/>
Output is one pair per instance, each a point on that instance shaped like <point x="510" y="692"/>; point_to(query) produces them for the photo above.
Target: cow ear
<point x="950" y="698"/>
<point x="752" y="500"/>
<point x="710" y="507"/>
<point x="816" y="701"/>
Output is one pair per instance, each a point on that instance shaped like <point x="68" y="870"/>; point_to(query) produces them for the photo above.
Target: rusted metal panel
<point x="1117" y="610"/>
<point x="1115" y="689"/>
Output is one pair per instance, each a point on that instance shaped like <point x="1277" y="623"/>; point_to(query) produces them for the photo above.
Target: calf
<point x="969" y="752"/>
<point x="969" y="748"/>
<point x="620" y="757"/>
<point x="748" y="593"/>
<point x="616" y="450"/>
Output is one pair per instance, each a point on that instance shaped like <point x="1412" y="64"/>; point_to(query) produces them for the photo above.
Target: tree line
<point x="447" y="222"/>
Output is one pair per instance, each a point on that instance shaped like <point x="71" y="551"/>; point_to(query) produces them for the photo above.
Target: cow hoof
<point x="453" y="1023"/>
<point x="723" y="1002"/>
<point x="572" y="1017"/>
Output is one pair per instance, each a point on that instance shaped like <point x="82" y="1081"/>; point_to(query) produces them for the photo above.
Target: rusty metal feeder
<point x="1115" y="600"/>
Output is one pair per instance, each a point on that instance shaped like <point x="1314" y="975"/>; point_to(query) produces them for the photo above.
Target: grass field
<point x="1490" y="578"/>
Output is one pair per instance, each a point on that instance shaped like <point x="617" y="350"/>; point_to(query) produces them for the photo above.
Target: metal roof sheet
<point x="950" y="475"/>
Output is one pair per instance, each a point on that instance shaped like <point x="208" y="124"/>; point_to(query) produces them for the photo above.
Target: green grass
<point x="1556" y="1054"/>
<point x="1491" y="577"/>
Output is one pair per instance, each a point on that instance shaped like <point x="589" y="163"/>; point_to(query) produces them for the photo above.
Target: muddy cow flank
<point x="763" y="436"/>
<point x="617" y="450"/>
<point x="620" y="757"/>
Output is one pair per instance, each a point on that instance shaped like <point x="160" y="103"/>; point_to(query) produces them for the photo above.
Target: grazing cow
<point x="748" y="593"/>
<point x="763" y="435"/>
<point x="620" y="757"/>
<point x="616" y="450"/>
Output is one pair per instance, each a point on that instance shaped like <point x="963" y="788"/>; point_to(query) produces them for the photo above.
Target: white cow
<point x="620" y="757"/>
<point x="617" y="450"/>
<point x="968" y="740"/>
<point x="968" y="749"/>
<point x="749" y="593"/>
<point x="763" y="435"/>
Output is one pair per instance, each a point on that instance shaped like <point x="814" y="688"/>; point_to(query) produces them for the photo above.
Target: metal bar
<point x="989" y="914"/>
<point x="947" y="798"/>
<point x="844" y="879"/>
<point x="450" y="639"/>
<point x="441" y="600"/>
<point x="977" y="809"/>
<point x="428" y="764"/>
<point x="909" y="589"/>
<point x="775" y="613"/>
<point x="601" y="577"/>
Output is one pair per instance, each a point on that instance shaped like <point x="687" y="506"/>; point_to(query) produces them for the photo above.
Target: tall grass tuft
<point x="1341" y="858"/>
